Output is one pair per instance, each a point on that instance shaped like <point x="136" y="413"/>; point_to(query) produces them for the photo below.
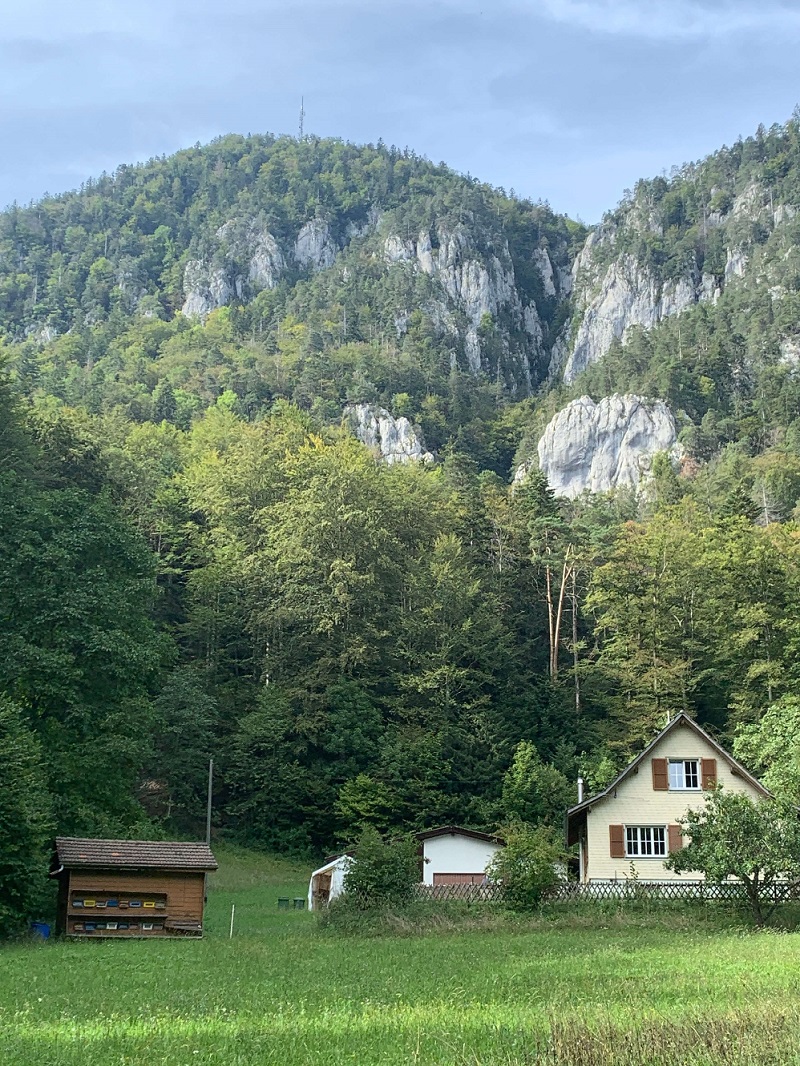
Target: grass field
<point x="602" y="988"/>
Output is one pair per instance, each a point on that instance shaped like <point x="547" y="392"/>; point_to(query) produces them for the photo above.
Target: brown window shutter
<point x="675" y="838"/>
<point x="660" y="775"/>
<point x="708" y="772"/>
<point x="617" y="834"/>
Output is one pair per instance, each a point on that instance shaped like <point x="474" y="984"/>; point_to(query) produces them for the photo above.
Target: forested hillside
<point x="198" y="558"/>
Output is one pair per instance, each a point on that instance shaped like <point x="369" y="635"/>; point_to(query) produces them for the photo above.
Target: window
<point x="683" y="774"/>
<point x="645" y="840"/>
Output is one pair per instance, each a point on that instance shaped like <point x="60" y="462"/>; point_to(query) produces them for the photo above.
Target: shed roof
<point x="78" y="852"/>
<point x="457" y="830"/>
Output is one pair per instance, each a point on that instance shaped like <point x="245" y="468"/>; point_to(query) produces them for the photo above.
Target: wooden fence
<point x="469" y="893"/>
<point x="617" y="891"/>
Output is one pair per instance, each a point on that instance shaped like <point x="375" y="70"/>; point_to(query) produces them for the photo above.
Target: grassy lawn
<point x="597" y="989"/>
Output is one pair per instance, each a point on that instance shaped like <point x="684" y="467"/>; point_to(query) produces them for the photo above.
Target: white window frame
<point x="678" y="775"/>
<point x="652" y="837"/>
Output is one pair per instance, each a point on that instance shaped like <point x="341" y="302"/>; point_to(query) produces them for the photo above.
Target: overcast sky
<point x="567" y="100"/>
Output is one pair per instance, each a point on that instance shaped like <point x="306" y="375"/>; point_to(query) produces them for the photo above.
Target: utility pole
<point x="208" y="805"/>
<point x="302" y="116"/>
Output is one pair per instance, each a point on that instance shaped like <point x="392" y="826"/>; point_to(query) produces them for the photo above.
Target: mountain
<point x="672" y="244"/>
<point x="314" y="247"/>
<point x="293" y="446"/>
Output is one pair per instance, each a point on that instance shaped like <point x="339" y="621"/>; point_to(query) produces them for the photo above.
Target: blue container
<point x="40" y="930"/>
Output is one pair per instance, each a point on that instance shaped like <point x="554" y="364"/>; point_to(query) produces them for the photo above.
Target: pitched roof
<point x="76" y="852"/>
<point x="680" y="719"/>
<point x="457" y="830"/>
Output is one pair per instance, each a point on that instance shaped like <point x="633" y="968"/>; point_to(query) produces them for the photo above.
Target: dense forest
<point x="198" y="559"/>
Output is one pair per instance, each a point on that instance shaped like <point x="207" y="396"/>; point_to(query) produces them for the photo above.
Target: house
<point x="328" y="882"/>
<point x="124" y="888"/>
<point x="634" y="820"/>
<point x="455" y="856"/>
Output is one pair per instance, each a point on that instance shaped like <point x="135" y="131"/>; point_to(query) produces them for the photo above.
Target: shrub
<point x="527" y="866"/>
<point x="383" y="871"/>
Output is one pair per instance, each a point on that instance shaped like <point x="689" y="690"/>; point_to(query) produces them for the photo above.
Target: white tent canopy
<point x="327" y="882"/>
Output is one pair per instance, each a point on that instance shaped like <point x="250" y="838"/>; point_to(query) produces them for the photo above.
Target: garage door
<point x="459" y="879"/>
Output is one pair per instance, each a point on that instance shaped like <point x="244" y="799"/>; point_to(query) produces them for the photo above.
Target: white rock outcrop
<point x="735" y="263"/>
<point x="783" y="213"/>
<point x="627" y="295"/>
<point x="314" y="246"/>
<point x="790" y="351"/>
<point x="476" y="284"/>
<point x="545" y="268"/>
<point x="393" y="439"/>
<point x="266" y="261"/>
<point x="205" y="288"/>
<point x="215" y="282"/>
<point x="606" y="445"/>
<point x="614" y="291"/>
<point x="41" y="333"/>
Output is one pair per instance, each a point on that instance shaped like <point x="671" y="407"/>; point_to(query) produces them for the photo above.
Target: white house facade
<point x="634" y="822"/>
<point x="455" y="856"/>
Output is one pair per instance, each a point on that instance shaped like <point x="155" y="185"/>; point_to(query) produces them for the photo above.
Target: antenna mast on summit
<point x="302" y="116"/>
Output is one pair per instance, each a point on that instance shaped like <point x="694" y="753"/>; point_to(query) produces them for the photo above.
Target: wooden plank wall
<point x="184" y="891"/>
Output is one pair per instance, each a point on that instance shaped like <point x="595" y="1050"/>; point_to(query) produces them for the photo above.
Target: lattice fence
<point x="468" y="893"/>
<point x="691" y="891"/>
<point x="617" y="891"/>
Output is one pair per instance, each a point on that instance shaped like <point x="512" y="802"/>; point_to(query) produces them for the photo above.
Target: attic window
<point x="683" y="774"/>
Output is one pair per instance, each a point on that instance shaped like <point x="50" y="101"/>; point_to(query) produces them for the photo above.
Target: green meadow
<point x="603" y="986"/>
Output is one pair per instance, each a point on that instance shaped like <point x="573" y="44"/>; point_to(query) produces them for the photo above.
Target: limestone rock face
<point x="606" y="445"/>
<point x="215" y="282"/>
<point x="394" y="439"/>
<point x="790" y="351"/>
<point x="41" y="333"/>
<point x="735" y="264"/>
<point x="205" y="287"/>
<point x="314" y="247"/>
<point x="542" y="260"/>
<point x="475" y="284"/>
<point x="613" y="291"/>
<point x="784" y="213"/>
<point x="627" y="294"/>
<point x="266" y="262"/>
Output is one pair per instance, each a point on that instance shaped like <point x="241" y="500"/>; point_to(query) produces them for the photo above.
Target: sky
<point x="569" y="101"/>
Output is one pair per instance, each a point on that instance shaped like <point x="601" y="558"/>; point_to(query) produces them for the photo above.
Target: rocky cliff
<point x="618" y="284"/>
<point x="475" y="285"/>
<point x="474" y="296"/>
<point x="246" y="259"/>
<point x="606" y="445"/>
<point x="394" y="440"/>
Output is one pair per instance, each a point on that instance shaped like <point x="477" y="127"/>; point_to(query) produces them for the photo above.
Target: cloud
<point x="671" y="19"/>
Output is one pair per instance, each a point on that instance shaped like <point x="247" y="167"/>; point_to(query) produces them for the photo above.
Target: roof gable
<point x="681" y="719"/>
<point x="457" y="830"/>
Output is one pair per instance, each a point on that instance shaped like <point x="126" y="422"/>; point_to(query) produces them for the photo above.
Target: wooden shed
<point x="124" y="888"/>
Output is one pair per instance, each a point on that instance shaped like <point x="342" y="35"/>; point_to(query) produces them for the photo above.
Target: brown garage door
<point x="459" y="879"/>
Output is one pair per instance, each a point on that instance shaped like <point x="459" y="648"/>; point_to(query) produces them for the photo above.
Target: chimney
<point x="580" y="790"/>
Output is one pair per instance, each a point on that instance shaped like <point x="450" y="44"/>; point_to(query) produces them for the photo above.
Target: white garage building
<point x="455" y="856"/>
